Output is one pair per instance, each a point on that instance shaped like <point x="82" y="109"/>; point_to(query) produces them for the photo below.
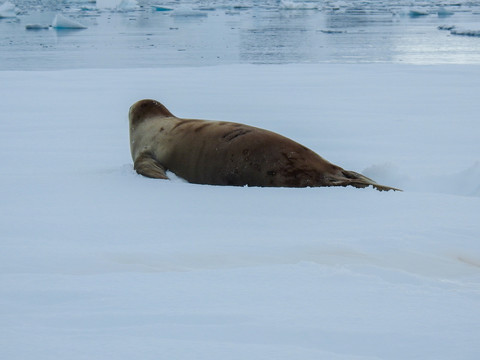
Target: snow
<point x="99" y="262"/>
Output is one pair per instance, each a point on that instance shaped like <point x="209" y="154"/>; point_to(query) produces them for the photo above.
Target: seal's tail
<point x="352" y="178"/>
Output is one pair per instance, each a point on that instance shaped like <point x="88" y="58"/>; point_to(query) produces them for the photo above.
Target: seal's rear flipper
<point x="352" y="178"/>
<point x="147" y="166"/>
<point x="385" y="188"/>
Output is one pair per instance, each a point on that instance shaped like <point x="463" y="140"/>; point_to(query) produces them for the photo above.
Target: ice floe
<point x="108" y="4"/>
<point x="443" y="12"/>
<point x="62" y="22"/>
<point x="446" y="27"/>
<point x="414" y="13"/>
<point x="329" y="31"/>
<point x="37" y="27"/>
<point x="465" y="32"/>
<point x="161" y="8"/>
<point x="291" y="5"/>
<point x="188" y="12"/>
<point x="460" y="31"/>
<point x="128" y="5"/>
<point x="8" y="10"/>
<point x="241" y="273"/>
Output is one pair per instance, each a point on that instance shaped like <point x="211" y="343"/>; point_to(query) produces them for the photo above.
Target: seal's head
<point x="145" y="109"/>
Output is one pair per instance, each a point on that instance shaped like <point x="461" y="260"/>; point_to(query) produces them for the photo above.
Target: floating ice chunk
<point x="414" y="13"/>
<point x="207" y="8"/>
<point x="8" y="10"/>
<point x="107" y="4"/>
<point x="62" y="22"/>
<point x="37" y="27"/>
<point x="241" y="7"/>
<point x="442" y="12"/>
<point x="446" y="27"/>
<point x="456" y="31"/>
<point x="465" y="32"/>
<point x="127" y="5"/>
<point x="290" y="5"/>
<point x="188" y="12"/>
<point x="7" y="6"/>
<point x="329" y="31"/>
<point x="335" y="5"/>
<point x="161" y="8"/>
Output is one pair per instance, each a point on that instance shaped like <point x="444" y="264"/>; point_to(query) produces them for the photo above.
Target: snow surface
<point x="98" y="262"/>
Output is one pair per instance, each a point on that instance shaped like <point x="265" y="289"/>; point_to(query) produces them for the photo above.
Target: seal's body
<point x="225" y="153"/>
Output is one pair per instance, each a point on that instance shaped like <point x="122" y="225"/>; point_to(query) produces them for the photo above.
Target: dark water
<point x="236" y="32"/>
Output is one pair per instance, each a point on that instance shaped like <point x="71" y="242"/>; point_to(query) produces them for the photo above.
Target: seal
<point x="227" y="153"/>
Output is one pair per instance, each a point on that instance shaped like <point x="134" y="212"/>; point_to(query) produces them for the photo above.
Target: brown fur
<point x="225" y="153"/>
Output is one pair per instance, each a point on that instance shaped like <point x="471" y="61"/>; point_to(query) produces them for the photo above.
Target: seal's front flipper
<point x="147" y="166"/>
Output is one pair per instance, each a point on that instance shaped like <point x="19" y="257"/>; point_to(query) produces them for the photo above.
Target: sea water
<point x="135" y="34"/>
